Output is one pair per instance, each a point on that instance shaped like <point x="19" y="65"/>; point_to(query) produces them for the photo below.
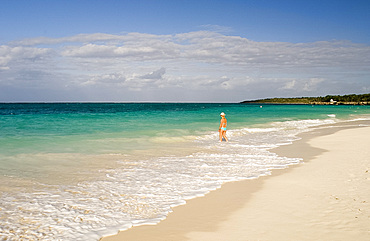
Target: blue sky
<point x="201" y="50"/>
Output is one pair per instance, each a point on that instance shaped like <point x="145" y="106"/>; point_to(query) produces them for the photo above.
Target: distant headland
<point x="363" y="99"/>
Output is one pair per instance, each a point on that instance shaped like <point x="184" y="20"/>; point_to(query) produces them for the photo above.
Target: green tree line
<point x="340" y="99"/>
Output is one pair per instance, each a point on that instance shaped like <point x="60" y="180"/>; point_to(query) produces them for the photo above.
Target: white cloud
<point x="158" y="74"/>
<point x="203" y="60"/>
<point x="216" y="28"/>
<point x="210" y="47"/>
<point x="312" y="84"/>
<point x="85" y="38"/>
<point x="289" y="85"/>
<point x="132" y="81"/>
<point x="20" y="54"/>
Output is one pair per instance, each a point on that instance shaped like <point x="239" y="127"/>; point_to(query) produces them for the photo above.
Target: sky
<point x="182" y="50"/>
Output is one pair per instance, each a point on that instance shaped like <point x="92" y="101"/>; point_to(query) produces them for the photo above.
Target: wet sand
<point x="326" y="197"/>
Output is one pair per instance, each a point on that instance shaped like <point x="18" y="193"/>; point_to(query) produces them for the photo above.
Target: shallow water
<point x="80" y="171"/>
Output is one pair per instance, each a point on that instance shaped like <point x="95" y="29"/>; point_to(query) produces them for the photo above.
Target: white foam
<point x="138" y="192"/>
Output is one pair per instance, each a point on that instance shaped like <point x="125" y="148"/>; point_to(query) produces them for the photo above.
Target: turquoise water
<point x="28" y="128"/>
<point x="81" y="162"/>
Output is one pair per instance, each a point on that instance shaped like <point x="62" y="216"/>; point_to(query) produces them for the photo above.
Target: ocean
<point x="79" y="171"/>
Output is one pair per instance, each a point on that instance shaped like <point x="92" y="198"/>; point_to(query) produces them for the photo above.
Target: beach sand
<point x="326" y="197"/>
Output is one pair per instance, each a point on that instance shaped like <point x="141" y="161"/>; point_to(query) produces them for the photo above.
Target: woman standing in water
<point x="222" y="129"/>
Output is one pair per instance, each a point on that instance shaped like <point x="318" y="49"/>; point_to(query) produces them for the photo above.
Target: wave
<point x="136" y="191"/>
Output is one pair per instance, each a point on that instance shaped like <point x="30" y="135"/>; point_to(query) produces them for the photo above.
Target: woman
<point x="222" y="129"/>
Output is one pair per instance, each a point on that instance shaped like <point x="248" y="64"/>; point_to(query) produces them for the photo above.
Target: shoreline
<point x="213" y="216"/>
<point x="308" y="103"/>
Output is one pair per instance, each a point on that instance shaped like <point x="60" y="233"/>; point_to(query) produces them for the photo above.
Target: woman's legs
<point x="223" y="134"/>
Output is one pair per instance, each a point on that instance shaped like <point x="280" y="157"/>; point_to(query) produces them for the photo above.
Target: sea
<point x="80" y="171"/>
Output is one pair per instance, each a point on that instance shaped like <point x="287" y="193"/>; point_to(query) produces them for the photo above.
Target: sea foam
<point x="89" y="185"/>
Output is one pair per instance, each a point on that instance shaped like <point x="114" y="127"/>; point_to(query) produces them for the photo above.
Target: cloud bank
<point x="194" y="66"/>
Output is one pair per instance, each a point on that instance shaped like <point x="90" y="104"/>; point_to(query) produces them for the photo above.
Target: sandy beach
<point x="326" y="197"/>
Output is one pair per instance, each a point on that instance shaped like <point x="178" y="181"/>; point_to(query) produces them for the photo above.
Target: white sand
<point x="325" y="198"/>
